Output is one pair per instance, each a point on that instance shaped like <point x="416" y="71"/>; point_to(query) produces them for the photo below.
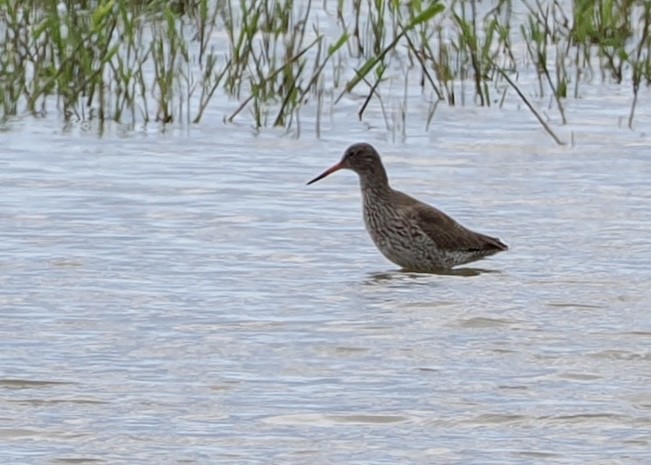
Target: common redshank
<point x="410" y="233"/>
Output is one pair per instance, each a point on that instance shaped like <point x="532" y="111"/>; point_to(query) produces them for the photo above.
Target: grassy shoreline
<point x="138" y="62"/>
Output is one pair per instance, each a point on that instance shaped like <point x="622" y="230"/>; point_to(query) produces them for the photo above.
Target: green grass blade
<point x="431" y="11"/>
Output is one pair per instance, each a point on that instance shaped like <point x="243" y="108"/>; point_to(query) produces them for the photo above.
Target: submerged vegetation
<point x="134" y="61"/>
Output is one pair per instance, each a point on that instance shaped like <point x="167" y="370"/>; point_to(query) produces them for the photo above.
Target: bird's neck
<point x="376" y="188"/>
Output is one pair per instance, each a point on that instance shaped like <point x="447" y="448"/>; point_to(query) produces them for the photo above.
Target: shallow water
<point x="183" y="297"/>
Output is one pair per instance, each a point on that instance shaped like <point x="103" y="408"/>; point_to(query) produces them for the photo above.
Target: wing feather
<point x="447" y="233"/>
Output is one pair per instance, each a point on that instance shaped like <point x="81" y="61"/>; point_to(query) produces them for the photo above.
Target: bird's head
<point x="361" y="158"/>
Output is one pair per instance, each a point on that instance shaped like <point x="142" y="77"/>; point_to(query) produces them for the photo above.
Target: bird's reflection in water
<point x="464" y="272"/>
<point x="403" y="276"/>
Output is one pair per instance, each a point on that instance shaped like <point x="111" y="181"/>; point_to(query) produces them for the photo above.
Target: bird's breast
<point x="395" y="234"/>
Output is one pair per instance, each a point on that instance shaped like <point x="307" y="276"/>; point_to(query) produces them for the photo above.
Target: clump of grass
<point x="273" y="39"/>
<point x="136" y="62"/>
<point x="103" y="60"/>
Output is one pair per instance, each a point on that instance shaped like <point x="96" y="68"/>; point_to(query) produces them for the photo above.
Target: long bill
<point x="330" y="170"/>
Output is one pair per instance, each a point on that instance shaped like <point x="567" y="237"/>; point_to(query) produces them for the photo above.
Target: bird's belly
<point x="402" y="243"/>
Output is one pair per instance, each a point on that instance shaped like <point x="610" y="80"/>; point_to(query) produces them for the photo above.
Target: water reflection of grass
<point x="165" y="61"/>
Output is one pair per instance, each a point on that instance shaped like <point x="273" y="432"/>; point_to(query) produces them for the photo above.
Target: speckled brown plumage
<point x="408" y="232"/>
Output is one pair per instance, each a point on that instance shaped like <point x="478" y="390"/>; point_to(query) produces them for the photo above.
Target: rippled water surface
<point x="183" y="297"/>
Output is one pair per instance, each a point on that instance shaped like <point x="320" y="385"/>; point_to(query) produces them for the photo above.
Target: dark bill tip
<point x="330" y="170"/>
